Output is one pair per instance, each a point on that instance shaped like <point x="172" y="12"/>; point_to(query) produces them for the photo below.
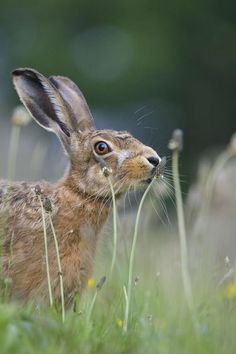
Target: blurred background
<point x="144" y="66"/>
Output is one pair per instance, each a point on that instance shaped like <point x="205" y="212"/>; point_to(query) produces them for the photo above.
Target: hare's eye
<point x="101" y="148"/>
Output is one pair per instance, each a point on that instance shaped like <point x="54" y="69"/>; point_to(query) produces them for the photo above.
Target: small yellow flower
<point x="230" y="290"/>
<point x="91" y="283"/>
<point x="119" y="323"/>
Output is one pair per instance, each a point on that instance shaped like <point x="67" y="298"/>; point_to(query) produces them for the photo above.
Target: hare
<point x="79" y="202"/>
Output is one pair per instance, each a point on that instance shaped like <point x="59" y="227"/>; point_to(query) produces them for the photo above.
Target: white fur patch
<point x="123" y="155"/>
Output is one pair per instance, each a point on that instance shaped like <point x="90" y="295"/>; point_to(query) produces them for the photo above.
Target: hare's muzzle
<point x="159" y="169"/>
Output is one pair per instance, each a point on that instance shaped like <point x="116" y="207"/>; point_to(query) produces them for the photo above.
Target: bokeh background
<point x="144" y="66"/>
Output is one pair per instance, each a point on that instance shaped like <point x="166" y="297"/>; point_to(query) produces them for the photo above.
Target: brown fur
<point x="80" y="200"/>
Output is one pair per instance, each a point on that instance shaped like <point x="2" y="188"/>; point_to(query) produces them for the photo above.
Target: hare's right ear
<point x="45" y="103"/>
<point x="75" y="101"/>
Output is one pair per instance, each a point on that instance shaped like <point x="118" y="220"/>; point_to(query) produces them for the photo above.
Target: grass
<point x="152" y="308"/>
<point x="160" y="324"/>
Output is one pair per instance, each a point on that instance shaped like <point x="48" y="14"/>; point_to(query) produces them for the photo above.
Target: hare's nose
<point x="154" y="160"/>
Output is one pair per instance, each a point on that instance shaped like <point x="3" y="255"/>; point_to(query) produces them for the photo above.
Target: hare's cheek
<point x="136" y="168"/>
<point x="95" y="178"/>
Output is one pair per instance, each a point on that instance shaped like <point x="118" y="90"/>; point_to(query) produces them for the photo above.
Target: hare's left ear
<point x="75" y="100"/>
<point x="56" y="104"/>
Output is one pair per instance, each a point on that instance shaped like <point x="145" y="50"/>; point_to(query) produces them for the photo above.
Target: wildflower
<point x="20" y="117"/>
<point x="91" y="283"/>
<point x="230" y="290"/>
<point x="119" y="323"/>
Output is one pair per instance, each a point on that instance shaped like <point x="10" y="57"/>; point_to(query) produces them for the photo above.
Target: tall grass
<point x="60" y="274"/>
<point x="128" y="292"/>
<point x="19" y="119"/>
<point x="14" y="142"/>
<point x="46" y="251"/>
<point x="107" y="172"/>
<point x="114" y="212"/>
<point x="176" y="145"/>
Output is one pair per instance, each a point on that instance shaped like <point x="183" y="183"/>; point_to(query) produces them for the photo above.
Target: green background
<point x="144" y="66"/>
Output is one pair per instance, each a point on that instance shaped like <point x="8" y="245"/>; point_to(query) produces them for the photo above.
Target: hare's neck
<point x="71" y="181"/>
<point x="82" y="208"/>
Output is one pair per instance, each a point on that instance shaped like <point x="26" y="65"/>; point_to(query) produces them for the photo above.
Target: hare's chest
<point x="79" y="258"/>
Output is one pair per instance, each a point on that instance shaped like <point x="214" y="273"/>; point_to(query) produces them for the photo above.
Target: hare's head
<point x="58" y="105"/>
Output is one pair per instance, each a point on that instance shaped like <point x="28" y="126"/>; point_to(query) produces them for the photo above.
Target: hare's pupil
<point x="102" y="146"/>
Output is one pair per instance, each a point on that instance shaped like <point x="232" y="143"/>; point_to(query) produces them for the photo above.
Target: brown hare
<point x="79" y="202"/>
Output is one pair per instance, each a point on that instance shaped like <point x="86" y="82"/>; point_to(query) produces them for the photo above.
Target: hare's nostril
<point x="153" y="160"/>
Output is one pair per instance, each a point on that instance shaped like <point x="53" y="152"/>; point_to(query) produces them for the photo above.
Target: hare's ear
<point x="75" y="101"/>
<point x="44" y="103"/>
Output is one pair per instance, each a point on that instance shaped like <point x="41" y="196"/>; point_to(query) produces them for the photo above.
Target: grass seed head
<point x="37" y="189"/>
<point x="176" y="142"/>
<point x="47" y="205"/>
<point x="161" y="167"/>
<point x="101" y="283"/>
<point x="105" y="170"/>
<point x="20" y="117"/>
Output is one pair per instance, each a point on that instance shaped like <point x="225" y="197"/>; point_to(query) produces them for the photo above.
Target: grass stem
<point x="46" y="253"/>
<point x="90" y="310"/>
<point x="14" y="142"/>
<point x="182" y="231"/>
<point x="125" y="326"/>
<point x="114" y="228"/>
<point x="59" y="269"/>
<point x="131" y="259"/>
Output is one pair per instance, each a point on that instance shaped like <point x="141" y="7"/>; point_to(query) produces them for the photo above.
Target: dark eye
<point x="101" y="148"/>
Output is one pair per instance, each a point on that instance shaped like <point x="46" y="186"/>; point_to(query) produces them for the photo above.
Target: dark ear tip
<point x="24" y="71"/>
<point x="17" y="72"/>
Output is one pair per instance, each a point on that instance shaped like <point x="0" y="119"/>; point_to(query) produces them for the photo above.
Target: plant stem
<point x="59" y="269"/>
<point x="14" y="141"/>
<point x="46" y="253"/>
<point x="90" y="310"/>
<point x="125" y="326"/>
<point x="218" y="166"/>
<point x="131" y="260"/>
<point x="215" y="171"/>
<point x="114" y="228"/>
<point x="182" y="231"/>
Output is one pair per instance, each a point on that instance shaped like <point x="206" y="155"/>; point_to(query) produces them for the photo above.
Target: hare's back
<point x="20" y="206"/>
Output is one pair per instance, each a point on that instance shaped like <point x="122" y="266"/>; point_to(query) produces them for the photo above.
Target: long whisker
<point x="155" y="209"/>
